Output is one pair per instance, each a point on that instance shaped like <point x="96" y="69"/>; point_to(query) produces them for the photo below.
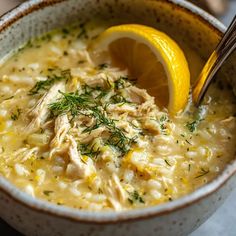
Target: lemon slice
<point x="152" y="57"/>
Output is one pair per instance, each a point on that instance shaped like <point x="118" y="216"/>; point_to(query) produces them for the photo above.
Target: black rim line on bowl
<point x="17" y="195"/>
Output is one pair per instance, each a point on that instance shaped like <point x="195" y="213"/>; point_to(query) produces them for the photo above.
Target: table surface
<point x="223" y="222"/>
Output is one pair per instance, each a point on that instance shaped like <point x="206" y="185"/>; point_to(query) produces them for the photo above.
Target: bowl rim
<point x="113" y="217"/>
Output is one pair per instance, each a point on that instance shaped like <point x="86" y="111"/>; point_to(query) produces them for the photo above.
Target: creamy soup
<point x="86" y="136"/>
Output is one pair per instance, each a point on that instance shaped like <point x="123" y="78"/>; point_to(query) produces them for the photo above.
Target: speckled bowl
<point x="180" y="217"/>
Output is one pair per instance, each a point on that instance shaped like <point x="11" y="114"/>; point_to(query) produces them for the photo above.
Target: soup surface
<point x="86" y="136"/>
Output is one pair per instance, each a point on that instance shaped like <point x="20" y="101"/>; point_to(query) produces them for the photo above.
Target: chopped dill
<point x="15" y="115"/>
<point x="9" y="98"/>
<point x="65" y="31"/>
<point x="47" y="192"/>
<point x="81" y="61"/>
<point x="189" y="167"/>
<point x="117" y="98"/>
<point x="167" y="162"/>
<point x="163" y="118"/>
<point x="162" y="123"/>
<point x="86" y="103"/>
<point x="121" y="83"/>
<point x="135" y="197"/>
<point x="192" y="126"/>
<point x="72" y="103"/>
<point x="102" y="94"/>
<point x="46" y="37"/>
<point x="187" y="142"/>
<point x="202" y="172"/>
<point x="83" y="32"/>
<point x="198" y="117"/>
<point x="88" y="150"/>
<point x="44" y="85"/>
<point x="102" y="66"/>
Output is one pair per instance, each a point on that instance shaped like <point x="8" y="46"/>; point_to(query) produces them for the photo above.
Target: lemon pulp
<point x="153" y="58"/>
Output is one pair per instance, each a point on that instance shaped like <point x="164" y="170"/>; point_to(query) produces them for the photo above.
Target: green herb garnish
<point x="202" y="172"/>
<point x="135" y="197"/>
<point x="198" y="117"/>
<point x="167" y="162"/>
<point x="83" y="32"/>
<point x="162" y="123"/>
<point x="102" y="66"/>
<point x="65" y="31"/>
<point x="86" y="103"/>
<point x="47" y="192"/>
<point x="121" y="83"/>
<point x="9" y="98"/>
<point x="117" y="98"/>
<point x="44" y="85"/>
<point x="90" y="151"/>
<point x="15" y="115"/>
<point x="192" y="126"/>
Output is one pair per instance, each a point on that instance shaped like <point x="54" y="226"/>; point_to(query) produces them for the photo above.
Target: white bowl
<point x="36" y="217"/>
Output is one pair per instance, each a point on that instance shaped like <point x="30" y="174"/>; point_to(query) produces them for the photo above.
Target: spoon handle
<point x="217" y="58"/>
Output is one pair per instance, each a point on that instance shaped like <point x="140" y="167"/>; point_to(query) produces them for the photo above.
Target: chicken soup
<point x="87" y="136"/>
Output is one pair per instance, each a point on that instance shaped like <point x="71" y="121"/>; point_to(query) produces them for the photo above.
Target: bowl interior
<point x="36" y="17"/>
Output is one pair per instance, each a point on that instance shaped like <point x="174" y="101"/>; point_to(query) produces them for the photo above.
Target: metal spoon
<point x="224" y="49"/>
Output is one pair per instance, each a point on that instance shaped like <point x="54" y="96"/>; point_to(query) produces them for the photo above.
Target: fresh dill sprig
<point x="44" y="85"/>
<point x="87" y="104"/>
<point x="202" y="172"/>
<point x="15" y="115"/>
<point x="167" y="162"/>
<point x="83" y="32"/>
<point x="192" y="126"/>
<point x="121" y="83"/>
<point x="98" y="90"/>
<point x="8" y="98"/>
<point x="102" y="66"/>
<point x="117" y="98"/>
<point x="72" y="103"/>
<point x="135" y="197"/>
<point x="119" y="141"/>
<point x="162" y="123"/>
<point x="88" y="150"/>
<point x="198" y="117"/>
<point x="47" y="192"/>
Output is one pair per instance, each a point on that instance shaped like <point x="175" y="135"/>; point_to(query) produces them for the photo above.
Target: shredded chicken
<point x="100" y="79"/>
<point x="147" y="107"/>
<point x="23" y="154"/>
<point x="125" y="108"/>
<point x="151" y="125"/>
<point x="61" y="129"/>
<point x="39" y="113"/>
<point x="138" y="95"/>
<point x="62" y="126"/>
<point x="77" y="167"/>
<point x="115" y="192"/>
<point x="85" y="55"/>
<point x="229" y="119"/>
<point x="12" y="101"/>
<point x="85" y="138"/>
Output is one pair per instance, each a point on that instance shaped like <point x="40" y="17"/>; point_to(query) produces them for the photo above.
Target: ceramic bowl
<point x="180" y="217"/>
